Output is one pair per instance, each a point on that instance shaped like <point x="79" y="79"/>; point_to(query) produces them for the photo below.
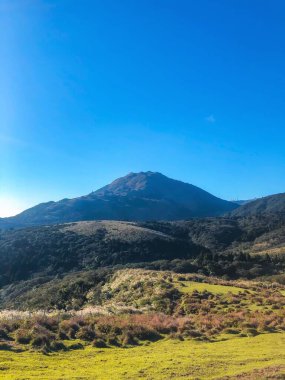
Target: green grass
<point x="190" y="286"/>
<point x="167" y="359"/>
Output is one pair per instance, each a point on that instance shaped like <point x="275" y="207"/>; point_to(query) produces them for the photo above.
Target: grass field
<point x="190" y="286"/>
<point x="167" y="359"/>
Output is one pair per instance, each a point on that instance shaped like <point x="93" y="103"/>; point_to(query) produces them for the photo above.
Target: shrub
<point x="99" y="343"/>
<point x="251" y="332"/>
<point x="62" y="335"/>
<point x="113" y="341"/>
<point x="49" y="323"/>
<point x="41" y="341"/>
<point x="4" y="335"/>
<point x="192" y="333"/>
<point x="127" y="339"/>
<point x="176" y="336"/>
<point x="57" y="346"/>
<point x="5" y="347"/>
<point x="144" y="333"/>
<point x="231" y="331"/>
<point x="69" y="327"/>
<point x="76" y="346"/>
<point x="23" y="336"/>
<point x="86" y="333"/>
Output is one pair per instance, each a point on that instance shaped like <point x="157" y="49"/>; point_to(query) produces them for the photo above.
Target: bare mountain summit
<point x="137" y="196"/>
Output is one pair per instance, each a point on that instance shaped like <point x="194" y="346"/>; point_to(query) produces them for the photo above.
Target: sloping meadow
<point x="135" y="306"/>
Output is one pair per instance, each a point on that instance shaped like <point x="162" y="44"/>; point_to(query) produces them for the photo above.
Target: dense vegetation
<point x="60" y="249"/>
<point x="232" y="247"/>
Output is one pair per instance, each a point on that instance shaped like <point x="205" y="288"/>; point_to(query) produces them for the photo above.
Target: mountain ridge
<point x="270" y="204"/>
<point x="136" y="196"/>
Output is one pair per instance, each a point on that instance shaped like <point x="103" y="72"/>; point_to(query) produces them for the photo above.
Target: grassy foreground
<point x="166" y="359"/>
<point x="178" y="327"/>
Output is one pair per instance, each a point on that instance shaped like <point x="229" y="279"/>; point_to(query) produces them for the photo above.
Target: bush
<point x="99" y="343"/>
<point x="113" y="341"/>
<point x="69" y="327"/>
<point x="147" y="334"/>
<point x="176" y="336"/>
<point x="127" y="339"/>
<point x="5" y="347"/>
<point x="23" y="336"/>
<point x="76" y="346"/>
<point x="251" y="332"/>
<point x="62" y="335"/>
<point x="4" y="335"/>
<point x="192" y="333"/>
<point x="86" y="333"/>
<point x="41" y="341"/>
<point x="231" y="331"/>
<point x="57" y="346"/>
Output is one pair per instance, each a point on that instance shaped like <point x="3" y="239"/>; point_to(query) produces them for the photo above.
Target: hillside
<point x="137" y="196"/>
<point x="147" y="324"/>
<point x="231" y="247"/>
<point x="52" y="250"/>
<point x="125" y="290"/>
<point x="267" y="205"/>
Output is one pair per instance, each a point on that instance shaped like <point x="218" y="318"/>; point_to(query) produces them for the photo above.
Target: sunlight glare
<point x="10" y="206"/>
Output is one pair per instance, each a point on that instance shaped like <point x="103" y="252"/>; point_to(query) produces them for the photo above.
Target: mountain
<point x="267" y="205"/>
<point x="137" y="196"/>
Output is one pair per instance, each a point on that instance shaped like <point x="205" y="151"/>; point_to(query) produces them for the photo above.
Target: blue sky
<point x="92" y="90"/>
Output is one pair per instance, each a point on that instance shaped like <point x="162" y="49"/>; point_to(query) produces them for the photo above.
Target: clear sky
<point x="91" y="90"/>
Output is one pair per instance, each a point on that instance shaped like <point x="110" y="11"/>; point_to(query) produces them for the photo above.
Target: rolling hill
<point x="56" y="249"/>
<point x="211" y="245"/>
<point x="137" y="197"/>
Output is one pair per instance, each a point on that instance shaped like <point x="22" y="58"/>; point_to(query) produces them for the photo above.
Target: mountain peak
<point x="136" y="196"/>
<point x="157" y="188"/>
<point x="132" y="182"/>
<point x="140" y="175"/>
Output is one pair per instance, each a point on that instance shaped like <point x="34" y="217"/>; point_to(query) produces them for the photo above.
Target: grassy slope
<point x="136" y="288"/>
<point x="190" y="286"/>
<point x="226" y="356"/>
<point x="167" y="359"/>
